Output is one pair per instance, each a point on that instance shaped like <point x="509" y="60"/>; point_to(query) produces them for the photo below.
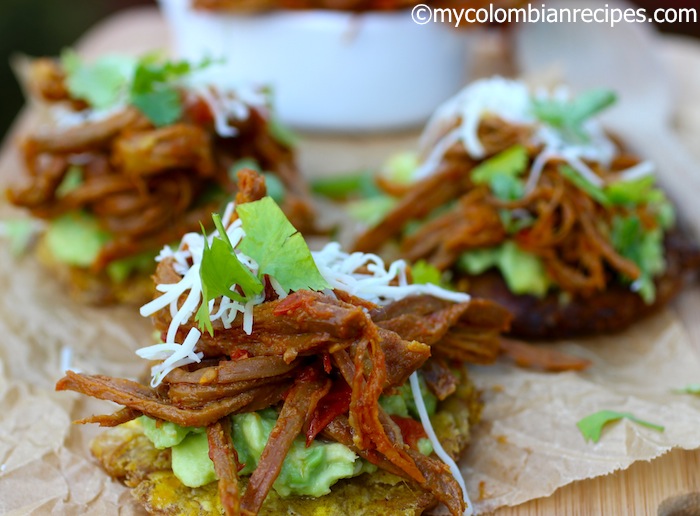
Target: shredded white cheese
<point x="229" y="105"/>
<point x="640" y="170"/>
<point x="67" y="359"/>
<point x="337" y="267"/>
<point x="340" y="270"/>
<point x="458" y="121"/>
<point x="437" y="447"/>
<point x="507" y="99"/>
<point x="226" y="105"/>
<point x="173" y="355"/>
<point x="65" y="117"/>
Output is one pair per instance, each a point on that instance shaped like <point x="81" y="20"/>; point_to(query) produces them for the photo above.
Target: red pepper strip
<point x="333" y="404"/>
<point x="411" y="430"/>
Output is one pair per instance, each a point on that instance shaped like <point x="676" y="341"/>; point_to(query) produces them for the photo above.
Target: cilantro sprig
<point x="221" y="270"/>
<point x="148" y="83"/>
<point x="591" y="427"/>
<point x="103" y="83"/>
<point x="153" y="89"/>
<point x="423" y="273"/>
<point x="620" y="193"/>
<point x="644" y="247"/>
<point x="342" y="186"/>
<point x="568" y="116"/>
<point x="271" y="240"/>
<point x="278" y="248"/>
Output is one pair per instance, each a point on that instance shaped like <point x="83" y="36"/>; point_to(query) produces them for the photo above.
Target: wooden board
<point x="642" y="489"/>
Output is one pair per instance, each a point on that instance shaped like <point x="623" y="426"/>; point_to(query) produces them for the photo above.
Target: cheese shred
<point x="340" y="269"/>
<point x="437" y="447"/>
<point x="458" y="119"/>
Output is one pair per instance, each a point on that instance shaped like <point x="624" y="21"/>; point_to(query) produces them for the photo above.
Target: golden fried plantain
<point x="127" y="455"/>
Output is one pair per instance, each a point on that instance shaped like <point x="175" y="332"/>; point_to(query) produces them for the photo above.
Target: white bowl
<point x="330" y="70"/>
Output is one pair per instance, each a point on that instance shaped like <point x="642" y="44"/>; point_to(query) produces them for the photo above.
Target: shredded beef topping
<point x="322" y="359"/>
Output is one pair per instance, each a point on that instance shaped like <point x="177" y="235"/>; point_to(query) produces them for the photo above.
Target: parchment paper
<point x="526" y="447"/>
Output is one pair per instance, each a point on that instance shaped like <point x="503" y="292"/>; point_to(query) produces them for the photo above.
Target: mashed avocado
<point x="402" y="403"/>
<point x="190" y="460"/>
<point x="306" y="471"/>
<point x="523" y="272"/>
<point x="309" y="471"/>
<point x="119" y="270"/>
<point x="76" y="239"/>
<point x="164" y="434"/>
<point x="400" y="167"/>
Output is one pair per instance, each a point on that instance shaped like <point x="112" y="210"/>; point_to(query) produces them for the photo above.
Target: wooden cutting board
<point x="667" y="486"/>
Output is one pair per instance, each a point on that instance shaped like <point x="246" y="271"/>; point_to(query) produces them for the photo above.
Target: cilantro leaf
<point x="424" y="273"/>
<point x="642" y="191"/>
<point x="569" y="116"/>
<point x="152" y="88"/>
<point x="151" y="73"/>
<point x="642" y="246"/>
<point x="626" y="193"/>
<point x="665" y="212"/>
<point x="501" y="173"/>
<point x="277" y="247"/>
<point x="220" y="269"/>
<point x="147" y="83"/>
<point x="591" y="427"/>
<point x="102" y="83"/>
<point x="594" y="192"/>
<point x="223" y="269"/>
<point x="693" y="388"/>
<point x="636" y="191"/>
<point x="588" y="104"/>
<point x="202" y="317"/>
<point x="342" y="186"/>
<point x="162" y="107"/>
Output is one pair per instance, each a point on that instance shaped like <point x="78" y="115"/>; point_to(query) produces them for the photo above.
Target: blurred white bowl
<point x="330" y="70"/>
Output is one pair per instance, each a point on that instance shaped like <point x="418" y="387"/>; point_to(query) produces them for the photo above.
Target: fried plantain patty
<point x="127" y="455"/>
<point x="612" y="310"/>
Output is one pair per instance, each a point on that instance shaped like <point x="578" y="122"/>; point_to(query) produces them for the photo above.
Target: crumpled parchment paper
<point x="526" y="447"/>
